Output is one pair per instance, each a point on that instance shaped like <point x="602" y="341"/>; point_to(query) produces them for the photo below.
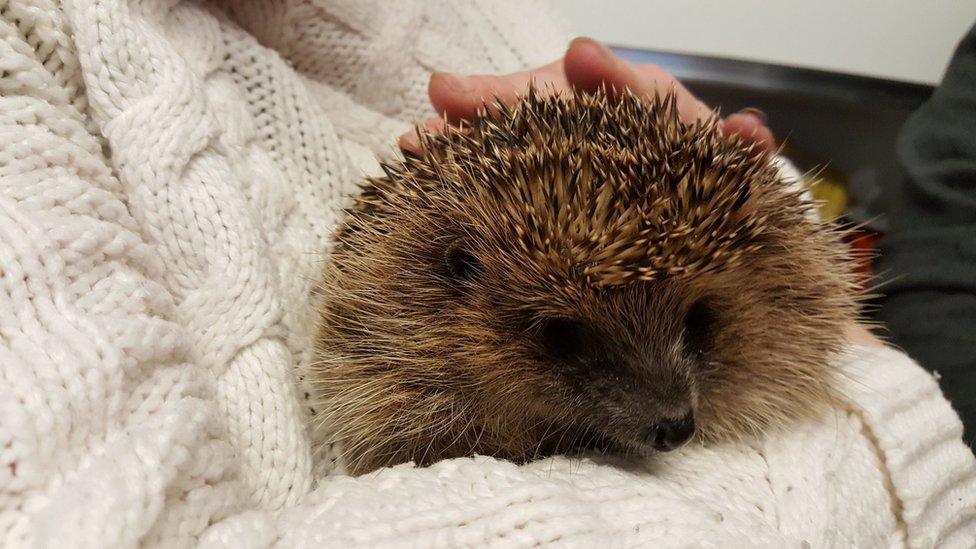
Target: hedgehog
<point x="573" y="274"/>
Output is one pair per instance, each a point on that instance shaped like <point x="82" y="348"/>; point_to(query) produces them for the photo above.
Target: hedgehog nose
<point x="672" y="433"/>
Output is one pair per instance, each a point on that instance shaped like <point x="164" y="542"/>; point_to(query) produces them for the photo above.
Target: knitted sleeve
<point x="380" y="54"/>
<point x="106" y="419"/>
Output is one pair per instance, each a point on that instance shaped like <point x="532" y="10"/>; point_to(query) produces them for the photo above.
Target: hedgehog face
<point x="609" y="367"/>
<point x="575" y="275"/>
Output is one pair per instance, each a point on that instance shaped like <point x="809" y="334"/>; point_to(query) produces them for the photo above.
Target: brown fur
<point x="474" y="290"/>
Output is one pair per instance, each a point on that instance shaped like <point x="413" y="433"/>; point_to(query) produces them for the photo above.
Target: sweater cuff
<point x="919" y="442"/>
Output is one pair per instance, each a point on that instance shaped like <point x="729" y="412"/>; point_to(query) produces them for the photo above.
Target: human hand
<point x="585" y="67"/>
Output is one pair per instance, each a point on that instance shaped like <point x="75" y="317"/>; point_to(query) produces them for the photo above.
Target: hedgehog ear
<point x="461" y="263"/>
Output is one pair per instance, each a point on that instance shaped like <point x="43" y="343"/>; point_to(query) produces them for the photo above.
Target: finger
<point x="410" y="141"/>
<point x="750" y="125"/>
<point x="458" y="97"/>
<point x="590" y="65"/>
<point x="657" y="80"/>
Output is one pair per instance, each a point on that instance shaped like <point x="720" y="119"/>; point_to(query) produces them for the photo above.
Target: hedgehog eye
<point x="698" y="327"/>
<point x="461" y="263"/>
<point x="563" y="337"/>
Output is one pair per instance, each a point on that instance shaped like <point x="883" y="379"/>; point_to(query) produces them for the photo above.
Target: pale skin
<point x="586" y="66"/>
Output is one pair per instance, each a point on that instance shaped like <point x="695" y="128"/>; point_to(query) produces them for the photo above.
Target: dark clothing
<point x="928" y="262"/>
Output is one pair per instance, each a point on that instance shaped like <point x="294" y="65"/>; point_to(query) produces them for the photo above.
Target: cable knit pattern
<point x="170" y="173"/>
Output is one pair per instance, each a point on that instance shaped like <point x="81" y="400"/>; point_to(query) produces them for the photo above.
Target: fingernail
<point x="755" y="113"/>
<point x="410" y="142"/>
<point x="453" y="82"/>
<point x="604" y="51"/>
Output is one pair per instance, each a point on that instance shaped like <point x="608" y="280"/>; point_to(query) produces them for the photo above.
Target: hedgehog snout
<point x="641" y="397"/>
<point x="672" y="433"/>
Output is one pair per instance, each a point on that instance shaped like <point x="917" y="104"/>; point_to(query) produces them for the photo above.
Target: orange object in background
<point x="829" y="189"/>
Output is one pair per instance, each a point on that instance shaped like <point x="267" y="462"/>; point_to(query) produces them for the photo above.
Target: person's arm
<point x="929" y="257"/>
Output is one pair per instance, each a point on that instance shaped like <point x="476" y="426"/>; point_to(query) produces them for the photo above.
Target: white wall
<point x="899" y="39"/>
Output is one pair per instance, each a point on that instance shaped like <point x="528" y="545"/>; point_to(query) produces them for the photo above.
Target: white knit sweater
<point x="169" y="178"/>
